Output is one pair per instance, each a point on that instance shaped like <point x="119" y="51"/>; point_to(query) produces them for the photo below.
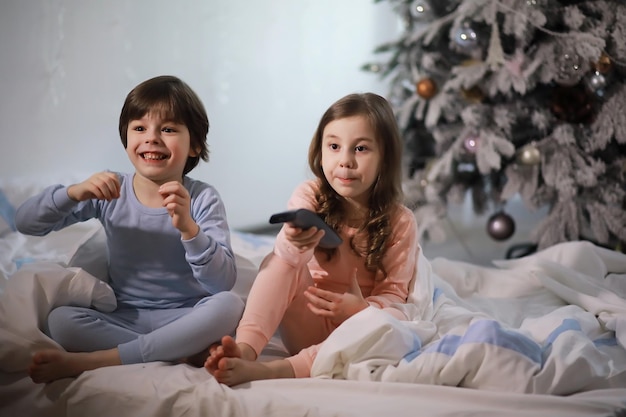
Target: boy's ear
<point x="194" y="152"/>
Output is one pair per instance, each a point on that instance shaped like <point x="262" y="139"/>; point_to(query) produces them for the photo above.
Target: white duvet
<point x="550" y="323"/>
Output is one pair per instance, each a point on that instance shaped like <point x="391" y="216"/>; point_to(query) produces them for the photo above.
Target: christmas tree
<point x="499" y="99"/>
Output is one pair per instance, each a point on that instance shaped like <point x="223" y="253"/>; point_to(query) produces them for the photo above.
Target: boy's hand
<point x="177" y="200"/>
<point x="101" y="186"/>
<point x="303" y="239"/>
<point x="337" y="307"/>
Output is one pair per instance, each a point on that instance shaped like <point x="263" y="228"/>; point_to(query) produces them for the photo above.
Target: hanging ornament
<point x="604" y="64"/>
<point x="573" y="104"/>
<point x="500" y="226"/>
<point x="426" y="88"/>
<point x="421" y="11"/>
<point x="596" y="82"/>
<point x="471" y="143"/>
<point x="466" y="37"/>
<point x="570" y="68"/>
<point x="529" y="155"/>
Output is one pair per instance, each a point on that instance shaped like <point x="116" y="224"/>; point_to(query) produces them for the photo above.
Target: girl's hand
<point x="337" y="307"/>
<point x="101" y="186"/>
<point x="177" y="200"/>
<point x="303" y="239"/>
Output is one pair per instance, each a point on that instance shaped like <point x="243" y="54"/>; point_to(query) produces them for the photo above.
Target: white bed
<point x="541" y="335"/>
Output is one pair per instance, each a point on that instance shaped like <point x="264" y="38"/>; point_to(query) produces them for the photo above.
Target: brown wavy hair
<point x="386" y="192"/>
<point x="176" y="101"/>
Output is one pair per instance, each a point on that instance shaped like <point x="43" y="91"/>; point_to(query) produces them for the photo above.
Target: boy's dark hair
<point x="177" y="102"/>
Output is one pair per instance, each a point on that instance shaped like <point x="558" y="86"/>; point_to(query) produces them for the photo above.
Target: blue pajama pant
<point x="147" y="335"/>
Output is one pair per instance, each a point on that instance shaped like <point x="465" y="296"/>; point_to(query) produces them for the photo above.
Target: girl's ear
<point x="194" y="152"/>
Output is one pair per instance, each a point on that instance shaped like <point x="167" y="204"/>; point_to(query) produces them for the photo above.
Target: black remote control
<point x="304" y="219"/>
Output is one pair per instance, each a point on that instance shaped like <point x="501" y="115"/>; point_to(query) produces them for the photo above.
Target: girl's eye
<point x="168" y="129"/>
<point x="361" y="148"/>
<point x="334" y="146"/>
<point x="138" y="128"/>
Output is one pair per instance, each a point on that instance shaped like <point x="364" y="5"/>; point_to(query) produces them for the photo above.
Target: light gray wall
<point x="266" y="72"/>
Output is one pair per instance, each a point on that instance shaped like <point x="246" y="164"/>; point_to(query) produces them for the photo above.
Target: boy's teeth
<point x="153" y="156"/>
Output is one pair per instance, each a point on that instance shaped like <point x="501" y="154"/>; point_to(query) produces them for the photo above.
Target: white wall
<point x="266" y="72"/>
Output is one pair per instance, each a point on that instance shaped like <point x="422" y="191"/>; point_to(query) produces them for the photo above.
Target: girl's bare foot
<point x="227" y="348"/>
<point x="232" y="364"/>
<point x="234" y="371"/>
<point x="217" y="352"/>
<point x="51" y="364"/>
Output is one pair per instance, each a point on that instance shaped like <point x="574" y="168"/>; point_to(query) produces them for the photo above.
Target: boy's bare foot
<point x="51" y="364"/>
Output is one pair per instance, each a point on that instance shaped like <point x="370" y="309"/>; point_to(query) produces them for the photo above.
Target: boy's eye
<point x="168" y="129"/>
<point x="138" y="128"/>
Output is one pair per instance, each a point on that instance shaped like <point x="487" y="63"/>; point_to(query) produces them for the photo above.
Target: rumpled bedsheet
<point x="550" y="323"/>
<point x="31" y="293"/>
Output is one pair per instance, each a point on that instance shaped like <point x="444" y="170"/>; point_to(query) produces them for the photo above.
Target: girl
<point x="308" y="291"/>
<point x="170" y="261"/>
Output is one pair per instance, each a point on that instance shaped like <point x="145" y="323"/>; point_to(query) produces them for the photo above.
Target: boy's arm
<point x="47" y="211"/>
<point x="209" y="253"/>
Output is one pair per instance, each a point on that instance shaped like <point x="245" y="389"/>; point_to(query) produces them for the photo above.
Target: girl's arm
<point x="400" y="262"/>
<point x="296" y="255"/>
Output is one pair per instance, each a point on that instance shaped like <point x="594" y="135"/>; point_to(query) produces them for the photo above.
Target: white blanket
<point x="550" y="323"/>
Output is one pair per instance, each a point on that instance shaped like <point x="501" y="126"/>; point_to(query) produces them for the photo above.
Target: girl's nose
<point x="346" y="162"/>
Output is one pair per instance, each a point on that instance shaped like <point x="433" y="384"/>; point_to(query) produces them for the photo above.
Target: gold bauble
<point x="604" y="64"/>
<point x="529" y="155"/>
<point x="426" y="88"/>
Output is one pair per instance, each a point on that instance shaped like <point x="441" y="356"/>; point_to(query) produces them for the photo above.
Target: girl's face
<point x="158" y="148"/>
<point x="351" y="158"/>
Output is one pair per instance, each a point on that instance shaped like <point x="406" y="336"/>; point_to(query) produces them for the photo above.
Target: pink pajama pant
<point x="276" y="299"/>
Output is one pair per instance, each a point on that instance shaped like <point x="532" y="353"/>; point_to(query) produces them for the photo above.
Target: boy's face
<point x="158" y="148"/>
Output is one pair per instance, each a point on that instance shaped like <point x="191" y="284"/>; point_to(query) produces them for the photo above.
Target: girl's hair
<point x="175" y="101"/>
<point x="386" y="191"/>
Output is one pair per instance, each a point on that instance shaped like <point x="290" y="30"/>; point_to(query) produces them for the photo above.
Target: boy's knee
<point x="61" y="325"/>
<point x="233" y="300"/>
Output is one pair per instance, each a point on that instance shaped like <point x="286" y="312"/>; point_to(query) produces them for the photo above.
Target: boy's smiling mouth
<point x="153" y="156"/>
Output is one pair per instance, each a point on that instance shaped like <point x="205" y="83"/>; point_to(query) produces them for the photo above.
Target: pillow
<point x="7" y="215"/>
<point x="65" y="247"/>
